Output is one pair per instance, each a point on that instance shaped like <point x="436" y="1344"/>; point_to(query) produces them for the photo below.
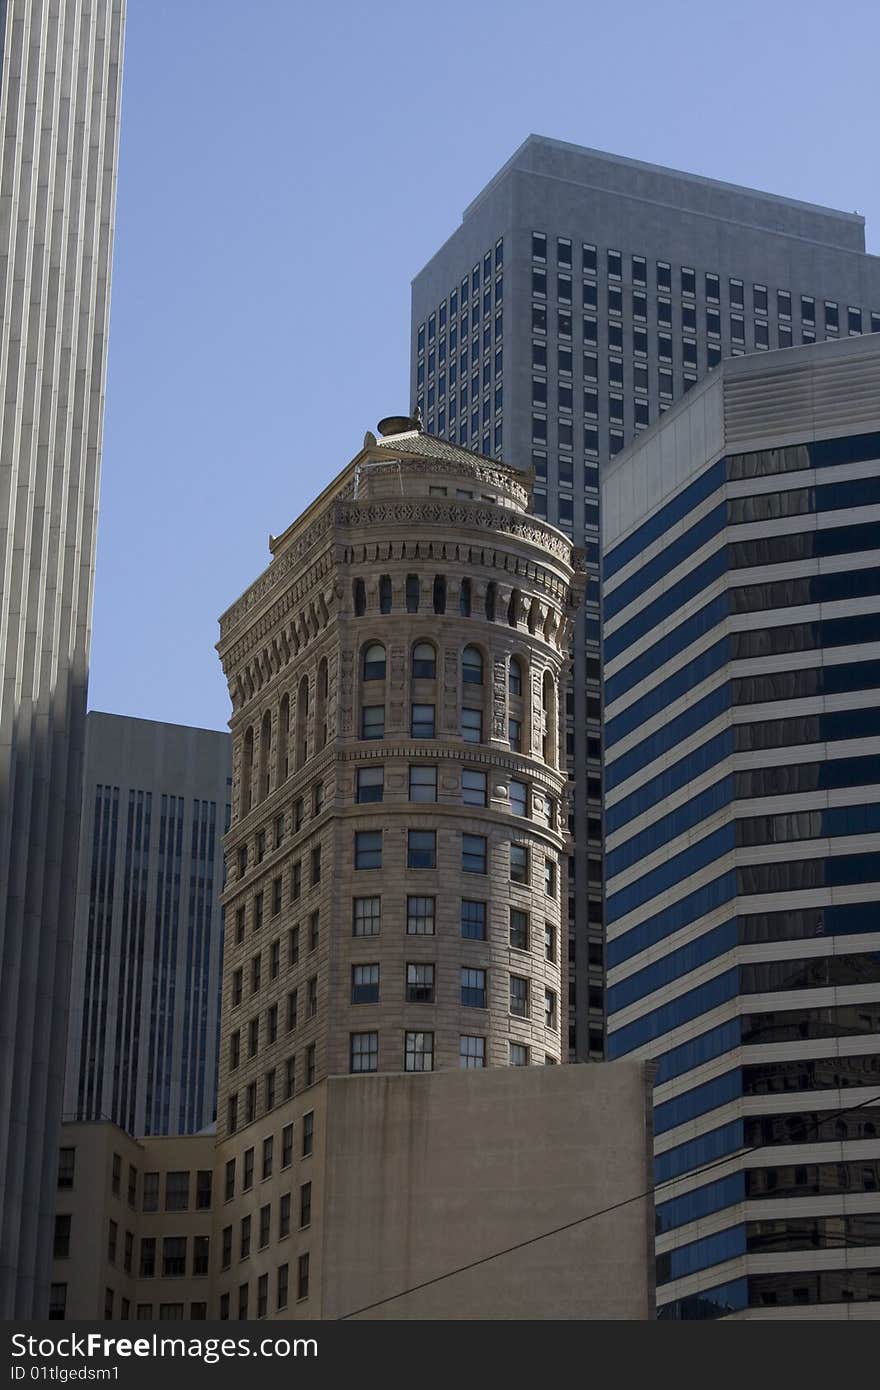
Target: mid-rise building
<point x="145" y="995"/>
<point x="741" y="597"/>
<point x="60" y="74"/>
<point x="133" y="1226"/>
<point x="581" y="296"/>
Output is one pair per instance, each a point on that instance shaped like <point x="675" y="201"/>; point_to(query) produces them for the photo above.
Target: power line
<point x="581" y="1220"/>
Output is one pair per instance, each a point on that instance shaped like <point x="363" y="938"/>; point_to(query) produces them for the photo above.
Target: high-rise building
<point x="145" y="991"/>
<point x="741" y="609"/>
<point x="581" y="296"/>
<point x="59" y="131"/>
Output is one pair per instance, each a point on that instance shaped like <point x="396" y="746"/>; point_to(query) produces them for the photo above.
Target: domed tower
<point x="396" y="859"/>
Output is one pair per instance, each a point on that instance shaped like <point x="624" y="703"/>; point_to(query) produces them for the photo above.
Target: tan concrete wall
<point x="428" y="1173"/>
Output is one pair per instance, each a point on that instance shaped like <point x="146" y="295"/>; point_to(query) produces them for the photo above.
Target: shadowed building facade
<point x="145" y="991"/>
<point x="59" y="131"/>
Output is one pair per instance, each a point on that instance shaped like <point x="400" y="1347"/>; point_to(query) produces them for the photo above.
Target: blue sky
<point x="286" y="169"/>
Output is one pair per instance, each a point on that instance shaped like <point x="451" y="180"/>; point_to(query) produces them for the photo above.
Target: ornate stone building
<point x="396" y="856"/>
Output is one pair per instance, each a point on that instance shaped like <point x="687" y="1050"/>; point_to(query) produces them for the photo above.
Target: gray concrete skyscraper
<point x="145" y="992"/>
<point x="59" y="133"/>
<point x="581" y="296"/>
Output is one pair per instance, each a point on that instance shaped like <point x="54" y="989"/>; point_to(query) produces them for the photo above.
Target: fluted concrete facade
<point x="59" y="128"/>
<point x="145" y="986"/>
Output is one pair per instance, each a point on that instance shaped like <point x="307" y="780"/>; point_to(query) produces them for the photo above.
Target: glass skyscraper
<point x="741" y="612"/>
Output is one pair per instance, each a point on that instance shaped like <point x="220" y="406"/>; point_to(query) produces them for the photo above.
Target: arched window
<point x="247" y="770"/>
<point x="464" y="598"/>
<point x="413" y="593"/>
<point x="549" y="721"/>
<point x="302" y="722"/>
<point x="374" y="662"/>
<point x="513" y="608"/>
<point x="439" y="594"/>
<point x="472" y="666"/>
<point x="424" y="661"/>
<point x="384" y="593"/>
<point x="281" y="760"/>
<point x="321" y="705"/>
<point x="515" y="676"/>
<point x="265" y="743"/>
<point x="360" y="598"/>
<point x="490" y="603"/>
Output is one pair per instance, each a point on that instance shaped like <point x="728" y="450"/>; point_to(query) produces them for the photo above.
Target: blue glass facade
<point x="742" y="786"/>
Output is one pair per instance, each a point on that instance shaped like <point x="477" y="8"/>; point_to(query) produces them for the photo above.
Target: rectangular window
<point x="287" y="1146"/>
<point x="173" y="1256"/>
<point x="308" y="1138"/>
<point x="420" y="914"/>
<point x="549" y="941"/>
<point x="550" y="878"/>
<point x="519" y="864"/>
<point x="370" y="783"/>
<point x="550" y="1019"/>
<point x="373" y="721"/>
<point x="518" y="1054"/>
<point x="177" y="1191"/>
<point x="302" y="1278"/>
<point x="265" y="1225"/>
<point x="519" y="996"/>
<point x="312" y="997"/>
<point x="281" y="1286"/>
<point x="151" y="1191"/>
<point x="239" y="925"/>
<point x="275" y="958"/>
<point x="419" y="983"/>
<point x="422" y="783"/>
<point x="226" y="1248"/>
<point x="366" y="916"/>
<point x="364" y="1052"/>
<point x="258" y="911"/>
<point x="296" y="880"/>
<point x="256" y="971"/>
<point x="148" y="1257"/>
<point x="471" y="1052"/>
<point x="276" y="896"/>
<point x="289" y="1077"/>
<point x="305" y="1205"/>
<point x="422" y="722"/>
<point x="518" y="794"/>
<point x="365" y="984"/>
<point x="292" y="997"/>
<point x="293" y="946"/>
<point x="831" y="316"/>
<point x="473" y="788"/>
<point x="368" y="849"/>
<point x="268" y="1155"/>
<point x="473" y="854"/>
<point x="759" y="293"/>
<point x="243" y="1291"/>
<point x="519" y="929"/>
<point x="244" y="1242"/>
<point x="314" y="929"/>
<point x="419" y="1052"/>
<point x="421" y="849"/>
<point x="284" y="1216"/>
<point x="473" y="919"/>
<point x="472" y="725"/>
<point x="229" y="1188"/>
<point x="473" y="988"/>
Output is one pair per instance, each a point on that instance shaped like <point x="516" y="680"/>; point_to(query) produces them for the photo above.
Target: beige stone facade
<point x="397" y="851"/>
<point x="132" y="1225"/>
